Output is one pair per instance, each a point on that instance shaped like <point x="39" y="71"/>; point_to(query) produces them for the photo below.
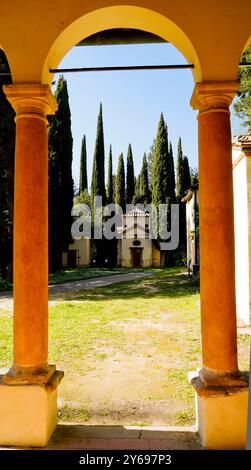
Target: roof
<point x="136" y="212"/>
<point x="242" y="140"/>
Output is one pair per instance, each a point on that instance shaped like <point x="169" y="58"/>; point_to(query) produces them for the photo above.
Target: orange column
<point x="217" y="264"/>
<point x="31" y="103"/>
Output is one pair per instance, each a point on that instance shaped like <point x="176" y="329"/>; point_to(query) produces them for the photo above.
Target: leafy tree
<point x="144" y="184"/>
<point x="110" y="192"/>
<point x="7" y="150"/>
<point x="83" y="183"/>
<point x="98" y="170"/>
<point x="83" y="198"/>
<point x="242" y="105"/>
<point x="130" y="188"/>
<point x="120" y="183"/>
<point x="60" y="177"/>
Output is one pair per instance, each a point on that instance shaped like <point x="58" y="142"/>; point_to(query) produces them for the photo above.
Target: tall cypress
<point x="160" y="165"/>
<point x="7" y="150"/>
<point x="60" y="177"/>
<point x="130" y="188"/>
<point x="150" y="159"/>
<point x="83" y="184"/>
<point x="144" y="184"/>
<point x="180" y="172"/>
<point x="186" y="174"/>
<point x="98" y="170"/>
<point x="171" y="175"/>
<point x="120" y="183"/>
<point x="137" y="195"/>
<point x="110" y="178"/>
<point x="180" y="192"/>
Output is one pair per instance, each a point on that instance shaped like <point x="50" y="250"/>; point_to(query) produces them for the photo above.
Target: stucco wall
<point x="241" y="172"/>
<point x="84" y="252"/>
<point x="146" y="252"/>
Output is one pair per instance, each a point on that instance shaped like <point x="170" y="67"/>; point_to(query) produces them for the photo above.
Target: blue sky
<point x="132" y="101"/>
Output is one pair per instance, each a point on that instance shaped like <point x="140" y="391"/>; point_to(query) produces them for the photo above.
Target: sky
<point x="132" y="101"/>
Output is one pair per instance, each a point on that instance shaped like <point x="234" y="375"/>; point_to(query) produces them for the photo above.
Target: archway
<point x="120" y="17"/>
<point x="219" y="375"/>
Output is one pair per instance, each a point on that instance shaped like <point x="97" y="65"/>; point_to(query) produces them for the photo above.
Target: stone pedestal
<point x="221" y="414"/>
<point x="28" y="413"/>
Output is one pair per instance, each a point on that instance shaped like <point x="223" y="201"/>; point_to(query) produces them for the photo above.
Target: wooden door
<point x="136" y="258"/>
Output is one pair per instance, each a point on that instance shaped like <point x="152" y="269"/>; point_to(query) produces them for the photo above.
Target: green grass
<point x="126" y="350"/>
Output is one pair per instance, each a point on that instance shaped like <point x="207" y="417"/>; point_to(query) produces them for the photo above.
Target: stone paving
<point x="68" y="436"/>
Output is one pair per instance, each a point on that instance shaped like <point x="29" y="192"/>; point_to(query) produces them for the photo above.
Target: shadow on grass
<point x="161" y="285"/>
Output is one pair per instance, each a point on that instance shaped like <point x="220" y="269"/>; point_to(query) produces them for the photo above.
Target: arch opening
<point x="129" y="17"/>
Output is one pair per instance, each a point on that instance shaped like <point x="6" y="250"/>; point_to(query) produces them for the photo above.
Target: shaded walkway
<point x="69" y="436"/>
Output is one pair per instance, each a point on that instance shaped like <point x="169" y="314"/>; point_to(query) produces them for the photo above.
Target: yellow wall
<point x="36" y="35"/>
<point x="126" y="254"/>
<point x="84" y="252"/>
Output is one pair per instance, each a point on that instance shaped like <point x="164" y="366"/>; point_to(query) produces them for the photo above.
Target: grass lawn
<point x="126" y="350"/>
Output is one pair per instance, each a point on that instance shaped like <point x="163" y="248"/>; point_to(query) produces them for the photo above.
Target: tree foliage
<point x="60" y="177"/>
<point x="120" y="183"/>
<point x="242" y="105"/>
<point x="83" y="183"/>
<point x="98" y="170"/>
<point x="186" y="174"/>
<point x="160" y="165"/>
<point x="7" y="150"/>
<point x="145" y="193"/>
<point x="110" y="192"/>
<point x="130" y="188"/>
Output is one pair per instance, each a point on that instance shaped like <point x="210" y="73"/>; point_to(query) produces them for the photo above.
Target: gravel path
<point x="6" y="298"/>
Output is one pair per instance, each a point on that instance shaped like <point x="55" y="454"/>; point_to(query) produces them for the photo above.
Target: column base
<point x="221" y="415"/>
<point x="28" y="413"/>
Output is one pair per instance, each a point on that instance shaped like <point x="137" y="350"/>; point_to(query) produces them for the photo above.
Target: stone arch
<point x="247" y="43"/>
<point x="120" y="17"/>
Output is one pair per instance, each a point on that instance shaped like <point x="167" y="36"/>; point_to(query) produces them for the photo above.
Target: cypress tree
<point x="120" y="183"/>
<point x="130" y="188"/>
<point x="7" y="150"/>
<point x="180" y="172"/>
<point x="171" y="176"/>
<point x="180" y="192"/>
<point x="110" y="178"/>
<point x="150" y="159"/>
<point x="186" y="174"/>
<point x="137" y="195"/>
<point x="160" y="165"/>
<point x="144" y="185"/>
<point x="60" y="177"/>
<point x="98" y="170"/>
<point x="83" y="184"/>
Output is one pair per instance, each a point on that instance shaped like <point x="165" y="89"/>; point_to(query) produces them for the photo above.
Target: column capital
<point x="208" y="96"/>
<point x="32" y="99"/>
